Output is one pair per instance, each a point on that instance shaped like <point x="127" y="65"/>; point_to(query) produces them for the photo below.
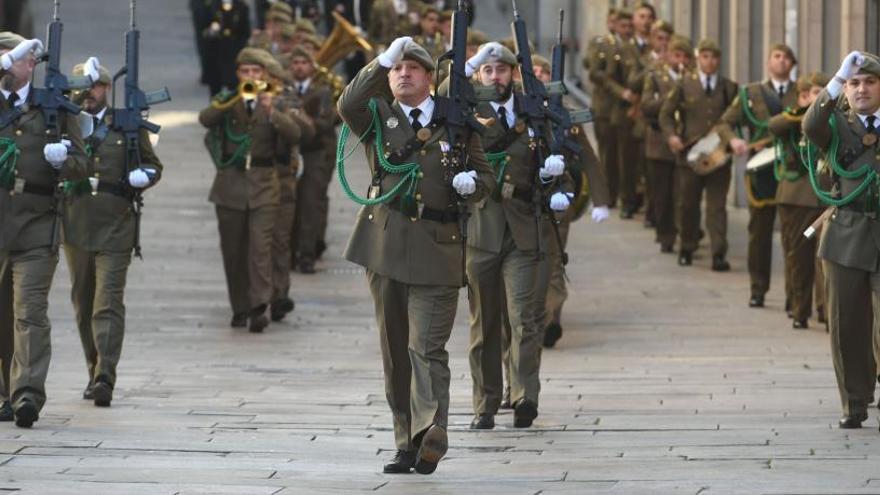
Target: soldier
<point x="599" y="54"/>
<point x="659" y="82"/>
<point x="798" y="204"/>
<point x="245" y="133"/>
<point x="503" y="251"/>
<point x="764" y="100"/>
<point x="644" y="18"/>
<point x="412" y="254"/>
<point x="269" y="38"/>
<point x="223" y="36"/>
<point x="313" y="204"/>
<point x="29" y="230"/>
<point x="848" y="246"/>
<point x="690" y="112"/>
<point x="99" y="236"/>
<point x="429" y="32"/>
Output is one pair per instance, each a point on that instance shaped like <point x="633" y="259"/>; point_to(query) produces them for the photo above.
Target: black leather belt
<point x="262" y="162"/>
<point x="441" y="216"/>
<point x="114" y="189"/>
<point x="523" y="194"/>
<point x="31" y="188"/>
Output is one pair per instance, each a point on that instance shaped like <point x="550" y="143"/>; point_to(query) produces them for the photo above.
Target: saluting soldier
<point x="245" y="133"/>
<point x="596" y="62"/>
<point x="691" y="111"/>
<point x="751" y="109"/>
<point x="848" y="245"/>
<point x="29" y="224"/>
<point x="412" y="252"/>
<point x="99" y="234"/>
<point x="798" y="204"/>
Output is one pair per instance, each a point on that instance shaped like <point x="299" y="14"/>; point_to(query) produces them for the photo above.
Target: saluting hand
<point x="395" y="50"/>
<point x="850" y="65"/>
<point x="488" y="51"/>
<point x="20" y="51"/>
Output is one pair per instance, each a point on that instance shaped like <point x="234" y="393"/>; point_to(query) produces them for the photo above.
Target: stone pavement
<point x="665" y="382"/>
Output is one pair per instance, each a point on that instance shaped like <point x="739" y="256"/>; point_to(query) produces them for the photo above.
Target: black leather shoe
<point x="402" y="462"/>
<point x="483" y="422"/>
<point x="799" y="324"/>
<point x="258" y="320"/>
<point x="524" y="413"/>
<point x="433" y="447"/>
<point x="6" y="411"/>
<point x="307" y="267"/>
<point x="666" y="248"/>
<point x="505" y="399"/>
<point x="239" y="320"/>
<point x="685" y="258"/>
<point x="88" y="394"/>
<point x="103" y="393"/>
<point x="281" y="307"/>
<point x="852" y="421"/>
<point x="719" y="264"/>
<point x="756" y="301"/>
<point x="26" y="414"/>
<point x="552" y="333"/>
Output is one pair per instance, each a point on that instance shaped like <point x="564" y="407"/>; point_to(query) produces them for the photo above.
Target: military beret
<point x="782" y="47"/>
<point x="305" y="25"/>
<point x="507" y="57"/>
<point x="274" y="68"/>
<point x="446" y="15"/>
<point x="299" y="52"/>
<point x="9" y="40"/>
<point x="312" y="40"/>
<point x="278" y="6"/>
<point x="644" y="5"/>
<point x="871" y="65"/>
<point x="288" y="31"/>
<point x="251" y="55"/>
<point x="103" y="74"/>
<point x="427" y="9"/>
<point x="417" y="53"/>
<point x="613" y="11"/>
<point x="813" y="79"/>
<point x="708" y="45"/>
<point x="476" y="37"/>
<point x="663" y="25"/>
<point x="543" y="63"/>
<point x="279" y="17"/>
<point x="681" y="43"/>
<point x="624" y="14"/>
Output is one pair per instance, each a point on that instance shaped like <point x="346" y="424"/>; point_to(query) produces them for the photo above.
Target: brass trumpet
<point x="248" y="90"/>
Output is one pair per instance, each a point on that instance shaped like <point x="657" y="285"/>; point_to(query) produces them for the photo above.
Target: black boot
<point x="258" y="320"/>
<point x="402" y="462"/>
<point x="26" y="414"/>
<point x="552" y="334"/>
<point x="685" y="258"/>
<point x="524" y="413"/>
<point x="757" y="301"/>
<point x="102" y="392"/>
<point x="432" y="447"/>
<point x="6" y="411"/>
<point x="719" y="264"/>
<point x="281" y="307"/>
<point x="239" y="320"/>
<point x="483" y="422"/>
<point x="88" y="393"/>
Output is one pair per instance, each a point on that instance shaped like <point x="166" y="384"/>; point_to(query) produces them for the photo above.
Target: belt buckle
<point x="507" y="190"/>
<point x="18" y="187"/>
<point x="373" y="192"/>
<point x="93" y="183"/>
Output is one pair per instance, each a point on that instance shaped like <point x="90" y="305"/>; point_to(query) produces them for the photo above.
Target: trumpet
<point x="247" y="90"/>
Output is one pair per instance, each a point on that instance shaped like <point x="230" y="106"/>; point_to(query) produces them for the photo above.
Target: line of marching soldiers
<point x="667" y="124"/>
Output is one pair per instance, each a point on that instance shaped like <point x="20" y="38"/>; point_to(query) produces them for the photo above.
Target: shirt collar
<point x="305" y="83"/>
<point x="508" y="108"/>
<point x="776" y="84"/>
<point x="864" y="118"/>
<point x="99" y="115"/>
<point x="22" y="94"/>
<point x="427" y="108"/>
<point x="673" y="74"/>
<point x="704" y="77"/>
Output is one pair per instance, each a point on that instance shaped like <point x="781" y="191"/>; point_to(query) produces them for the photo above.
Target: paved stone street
<point x="664" y="382"/>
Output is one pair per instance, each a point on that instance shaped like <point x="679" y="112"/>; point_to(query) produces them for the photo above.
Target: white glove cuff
<point x="385" y="60"/>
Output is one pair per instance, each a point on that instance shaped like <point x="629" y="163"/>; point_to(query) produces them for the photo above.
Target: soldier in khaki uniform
<point x="849" y="242"/>
<point x="269" y="38"/>
<point x="411" y="244"/>
<point x="388" y="20"/>
<point x="429" y="35"/>
<point x="644" y="18"/>
<point x="99" y="235"/>
<point x="313" y="204"/>
<point x="798" y="205"/>
<point x="246" y="191"/>
<point x="29" y="226"/>
<point x="689" y="112"/>
<point x="764" y="100"/>
<point x="658" y="84"/>
<point x="596" y="62"/>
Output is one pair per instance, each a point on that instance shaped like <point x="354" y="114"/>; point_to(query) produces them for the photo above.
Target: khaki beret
<point x="9" y="40"/>
<point x="663" y="25"/>
<point x="871" y="65"/>
<point x="274" y="68"/>
<point x="279" y="17"/>
<point x="427" y="9"/>
<point x="811" y="80"/>
<point x="644" y="5"/>
<point x="624" y="14"/>
<point x="417" y="53"/>
<point x="709" y="45"/>
<point x="103" y="74"/>
<point x="446" y="15"/>
<point x="507" y="57"/>
<point x="288" y="31"/>
<point x="299" y="52"/>
<point x="312" y="40"/>
<point x="543" y="63"/>
<point x="782" y="47"/>
<point x="680" y="43"/>
<point x="476" y="37"/>
<point x="284" y="7"/>
<point x="305" y="25"/>
<point x="251" y="55"/>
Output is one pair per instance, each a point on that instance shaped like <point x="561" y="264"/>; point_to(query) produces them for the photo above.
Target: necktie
<point x="871" y="124"/>
<point x="250" y="107"/>
<point x="502" y="117"/>
<point x="302" y="89"/>
<point x="708" y="86"/>
<point x="12" y="100"/>
<point x="95" y="122"/>
<point x="781" y="90"/>
<point x="414" y="115"/>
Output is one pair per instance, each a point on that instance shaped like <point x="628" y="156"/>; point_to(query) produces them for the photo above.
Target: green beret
<point x="782" y="47"/>
<point x="475" y="37"/>
<point x="417" y="53"/>
<point x="663" y="25"/>
<point x="283" y="7"/>
<point x="9" y="40"/>
<point x="682" y="44"/>
<point x="251" y="55"/>
<point x="507" y="57"/>
<point x="279" y="17"/>
<point x="539" y="61"/>
<point x="305" y="25"/>
<point x="103" y="74"/>
<point x="871" y="65"/>
<point x="709" y="45"/>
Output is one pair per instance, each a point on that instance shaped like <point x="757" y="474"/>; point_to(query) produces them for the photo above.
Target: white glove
<point x="488" y="51"/>
<point x="848" y="68"/>
<point x="138" y="178"/>
<point x="91" y="69"/>
<point x="554" y="166"/>
<point x="20" y="51"/>
<point x="559" y="201"/>
<point x="599" y="214"/>
<point x="56" y="154"/>
<point x="394" y="52"/>
<point x="464" y="183"/>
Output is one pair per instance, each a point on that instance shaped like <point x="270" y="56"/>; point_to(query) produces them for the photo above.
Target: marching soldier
<point x="690" y="112"/>
<point x="798" y="204"/>
<point x="659" y="82"/>
<point x="29" y="230"/>
<point x="644" y="18"/>
<point x="848" y="245"/>
<point x="599" y="55"/>
<point x="503" y="251"/>
<point x="245" y="132"/>
<point x="313" y="204"/>
<point x="752" y="108"/>
<point x="412" y="252"/>
<point x="99" y="235"/>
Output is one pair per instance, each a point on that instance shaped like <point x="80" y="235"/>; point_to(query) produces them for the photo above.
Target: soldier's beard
<point x="504" y="92"/>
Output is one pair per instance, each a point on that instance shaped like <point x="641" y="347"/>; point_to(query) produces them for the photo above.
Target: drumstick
<point x="817" y="224"/>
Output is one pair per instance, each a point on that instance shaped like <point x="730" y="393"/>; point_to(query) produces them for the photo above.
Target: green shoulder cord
<point x="498" y="161"/>
<point x="8" y="159"/>
<point x="779" y="163"/>
<point x="761" y="126"/>
<point x="410" y="172"/>
<point x="242" y="140"/>
<point x="865" y="172"/>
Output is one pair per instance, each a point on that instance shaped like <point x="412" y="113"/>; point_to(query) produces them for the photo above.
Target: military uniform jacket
<point x="658" y="84"/>
<point x="412" y="251"/>
<point x="317" y="103"/>
<point x="791" y="190"/>
<point x="287" y="152"/>
<point x="850" y="237"/>
<point x="688" y="112"/>
<point x="621" y="59"/>
<point x="104" y="221"/>
<point x="761" y="95"/>
<point x="243" y="188"/>
<point x="600" y="52"/>
<point x="27" y="220"/>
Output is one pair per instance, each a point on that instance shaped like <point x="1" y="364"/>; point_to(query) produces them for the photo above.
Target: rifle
<point x="456" y="109"/>
<point x="129" y="120"/>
